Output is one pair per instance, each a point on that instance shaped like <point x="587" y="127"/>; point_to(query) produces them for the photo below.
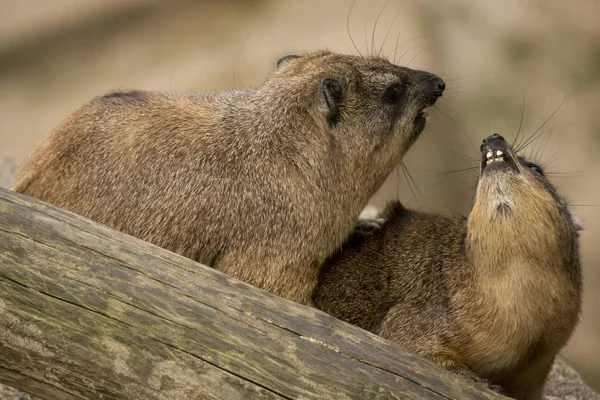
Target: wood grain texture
<point x="87" y="312"/>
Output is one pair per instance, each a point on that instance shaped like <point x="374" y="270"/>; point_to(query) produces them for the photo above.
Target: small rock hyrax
<point x="262" y="184"/>
<point x="493" y="296"/>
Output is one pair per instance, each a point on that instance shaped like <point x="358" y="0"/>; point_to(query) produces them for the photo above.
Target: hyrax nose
<point x="493" y="141"/>
<point x="435" y="88"/>
<point x="494" y="137"/>
<point x="438" y="83"/>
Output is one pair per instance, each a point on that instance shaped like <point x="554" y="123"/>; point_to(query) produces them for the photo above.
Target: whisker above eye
<point x="375" y="27"/>
<point x="416" y="55"/>
<point x="534" y="134"/>
<point x="388" y="33"/>
<point x="348" y="29"/>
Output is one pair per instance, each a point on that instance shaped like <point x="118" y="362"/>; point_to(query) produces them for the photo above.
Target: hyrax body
<point x="262" y="184"/>
<point x="493" y="296"/>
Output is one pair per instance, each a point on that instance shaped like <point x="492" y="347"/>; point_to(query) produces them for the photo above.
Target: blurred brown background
<point x="498" y="58"/>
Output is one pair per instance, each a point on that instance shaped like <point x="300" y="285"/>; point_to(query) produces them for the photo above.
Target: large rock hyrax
<point x="493" y="296"/>
<point x="262" y="184"/>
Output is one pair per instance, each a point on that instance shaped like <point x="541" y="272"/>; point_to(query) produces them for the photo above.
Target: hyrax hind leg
<point x="446" y="361"/>
<point x="528" y="383"/>
<point x="424" y="338"/>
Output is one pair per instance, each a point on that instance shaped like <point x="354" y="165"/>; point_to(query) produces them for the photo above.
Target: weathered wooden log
<point x="87" y="312"/>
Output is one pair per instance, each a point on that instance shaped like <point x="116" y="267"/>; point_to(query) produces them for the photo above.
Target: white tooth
<point x="500" y="158"/>
<point x="489" y="154"/>
<point x="499" y="153"/>
<point x="488" y="162"/>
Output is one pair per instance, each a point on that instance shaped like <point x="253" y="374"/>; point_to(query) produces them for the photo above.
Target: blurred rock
<point x="8" y="393"/>
<point x="8" y="169"/>
<point x="564" y="383"/>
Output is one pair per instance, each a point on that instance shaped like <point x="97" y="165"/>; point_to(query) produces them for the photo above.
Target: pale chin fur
<point x="499" y="193"/>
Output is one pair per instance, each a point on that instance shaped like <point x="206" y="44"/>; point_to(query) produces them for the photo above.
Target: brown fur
<point x="493" y="296"/>
<point x="262" y="184"/>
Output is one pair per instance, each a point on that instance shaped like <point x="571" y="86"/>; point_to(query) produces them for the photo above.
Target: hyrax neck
<point x="515" y="230"/>
<point x="322" y="172"/>
<point x="516" y="249"/>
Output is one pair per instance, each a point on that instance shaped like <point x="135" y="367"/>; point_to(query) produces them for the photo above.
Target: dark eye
<point x="535" y="169"/>
<point x="393" y="94"/>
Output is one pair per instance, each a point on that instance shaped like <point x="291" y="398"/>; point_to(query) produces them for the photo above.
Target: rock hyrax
<point x="493" y="296"/>
<point x="262" y="184"/>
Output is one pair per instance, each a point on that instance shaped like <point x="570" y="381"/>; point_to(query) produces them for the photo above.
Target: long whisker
<point x="342" y="42"/>
<point x="416" y="55"/>
<point x="445" y="173"/>
<point x="460" y="77"/>
<point x="514" y="144"/>
<point x="440" y="179"/>
<point x="458" y="153"/>
<point x="552" y="160"/>
<point x="405" y="42"/>
<point x="375" y="26"/>
<point x="543" y="139"/>
<point x="408" y="51"/>
<point x="410" y="179"/>
<point x="546" y="141"/>
<point x="459" y="89"/>
<point x="402" y="168"/>
<point x="348" y="29"/>
<point x="567" y="173"/>
<point x="436" y="108"/>
<point x="534" y="152"/>
<point x="444" y="114"/>
<point x="388" y="32"/>
<point x="508" y="127"/>
<point x="555" y="175"/>
<point x="409" y="182"/>
<point x="528" y="141"/>
<point x="473" y="145"/>
<point x="366" y="40"/>
<point x="454" y="88"/>
<point x="396" y="48"/>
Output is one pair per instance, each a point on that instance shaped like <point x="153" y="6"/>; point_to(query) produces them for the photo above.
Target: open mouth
<point x="420" y="121"/>
<point x="496" y="154"/>
<point x="422" y="115"/>
<point x="421" y="118"/>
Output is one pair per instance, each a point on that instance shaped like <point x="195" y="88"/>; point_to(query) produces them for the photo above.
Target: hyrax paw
<point x="495" y="388"/>
<point x="368" y="225"/>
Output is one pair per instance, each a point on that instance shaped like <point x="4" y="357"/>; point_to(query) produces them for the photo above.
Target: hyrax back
<point x="493" y="296"/>
<point x="261" y="184"/>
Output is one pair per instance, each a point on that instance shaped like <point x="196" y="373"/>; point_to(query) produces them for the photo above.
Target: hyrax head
<point x="369" y="108"/>
<point x="512" y="185"/>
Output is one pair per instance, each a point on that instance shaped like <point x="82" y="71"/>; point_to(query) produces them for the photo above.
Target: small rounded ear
<point x="333" y="92"/>
<point x="286" y="59"/>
